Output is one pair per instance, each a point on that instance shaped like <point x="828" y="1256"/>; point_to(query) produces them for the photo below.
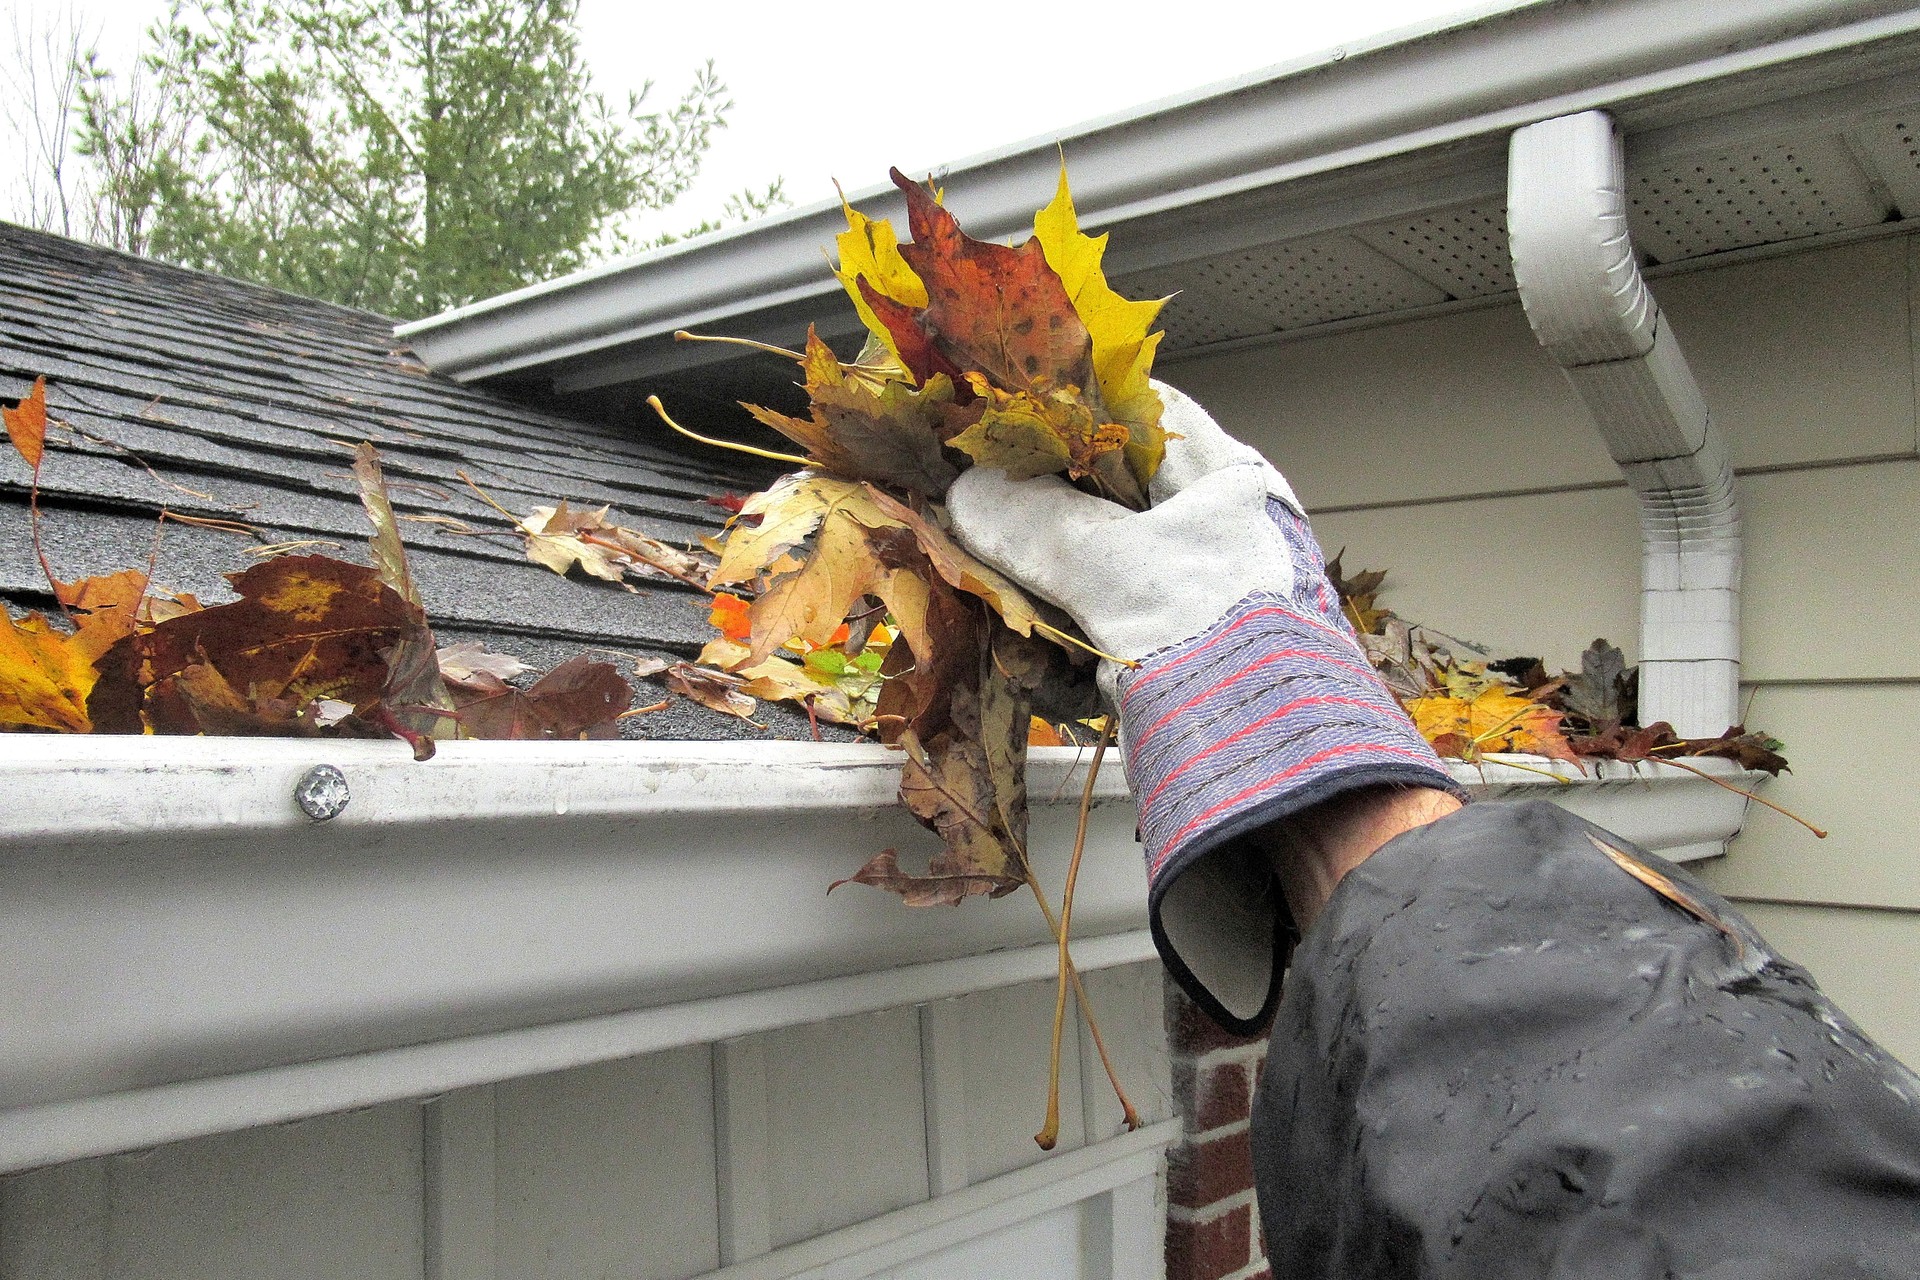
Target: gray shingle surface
<point x="218" y="399"/>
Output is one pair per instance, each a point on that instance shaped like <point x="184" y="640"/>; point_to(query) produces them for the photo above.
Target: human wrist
<point x="1313" y="849"/>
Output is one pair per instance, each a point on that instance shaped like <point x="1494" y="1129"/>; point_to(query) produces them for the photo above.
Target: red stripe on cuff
<point x="1262" y="722"/>
<point x="1155" y="672"/>
<point x="1367" y="673"/>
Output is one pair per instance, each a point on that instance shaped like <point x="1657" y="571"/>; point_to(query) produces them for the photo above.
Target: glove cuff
<point x="1270" y="710"/>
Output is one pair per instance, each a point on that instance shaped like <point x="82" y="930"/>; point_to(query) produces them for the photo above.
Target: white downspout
<point x="1590" y="309"/>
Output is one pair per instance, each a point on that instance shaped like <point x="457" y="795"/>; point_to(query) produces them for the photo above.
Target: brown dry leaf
<point x="890" y="434"/>
<point x="26" y="424"/>
<point x="955" y="564"/>
<point x="579" y="699"/>
<point x="964" y="774"/>
<point x="787" y="513"/>
<point x="462" y="663"/>
<point x="553" y="539"/>
<point x="650" y="555"/>
<point x="1028" y="434"/>
<point x="1357" y="595"/>
<point x="416" y="695"/>
<point x="108" y="606"/>
<point x="560" y="537"/>
<point x="1748" y="750"/>
<point x="716" y="690"/>
<point x="811" y="604"/>
<point x="1597" y="695"/>
<point x="305" y="628"/>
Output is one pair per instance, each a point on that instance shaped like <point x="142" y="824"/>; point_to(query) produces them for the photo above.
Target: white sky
<point x="825" y="91"/>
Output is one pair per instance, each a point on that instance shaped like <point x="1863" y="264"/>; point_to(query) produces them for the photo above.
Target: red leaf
<point x="1002" y="311"/>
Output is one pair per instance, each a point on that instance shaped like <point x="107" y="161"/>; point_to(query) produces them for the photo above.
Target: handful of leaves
<point x="1021" y="358"/>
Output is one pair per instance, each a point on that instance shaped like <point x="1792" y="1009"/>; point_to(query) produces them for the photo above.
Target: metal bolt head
<point x="322" y="792"/>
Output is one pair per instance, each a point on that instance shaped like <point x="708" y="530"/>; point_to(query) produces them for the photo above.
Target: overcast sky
<point x="826" y="91"/>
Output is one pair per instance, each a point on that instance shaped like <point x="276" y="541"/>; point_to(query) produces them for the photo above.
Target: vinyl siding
<point x="602" y="1171"/>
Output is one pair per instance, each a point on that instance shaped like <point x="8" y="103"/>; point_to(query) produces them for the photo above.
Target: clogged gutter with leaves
<point x="838" y="587"/>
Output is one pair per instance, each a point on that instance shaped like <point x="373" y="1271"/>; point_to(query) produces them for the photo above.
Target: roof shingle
<point x="225" y="400"/>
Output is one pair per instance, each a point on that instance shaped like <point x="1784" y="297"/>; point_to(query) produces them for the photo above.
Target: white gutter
<point x="1494" y="71"/>
<point x="188" y="953"/>
<point x="1584" y="296"/>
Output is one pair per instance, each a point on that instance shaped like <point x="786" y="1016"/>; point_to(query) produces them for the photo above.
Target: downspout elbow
<point x="1591" y="310"/>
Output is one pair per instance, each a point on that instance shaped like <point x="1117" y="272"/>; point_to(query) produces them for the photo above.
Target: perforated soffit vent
<point x="1767" y="192"/>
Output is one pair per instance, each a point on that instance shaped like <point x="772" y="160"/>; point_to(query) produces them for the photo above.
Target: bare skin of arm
<point x="1311" y="850"/>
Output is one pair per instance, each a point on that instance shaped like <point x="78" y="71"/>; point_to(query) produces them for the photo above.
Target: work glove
<point x="1251" y="700"/>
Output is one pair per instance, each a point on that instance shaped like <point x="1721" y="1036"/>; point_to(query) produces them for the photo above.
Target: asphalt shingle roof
<point x="229" y="401"/>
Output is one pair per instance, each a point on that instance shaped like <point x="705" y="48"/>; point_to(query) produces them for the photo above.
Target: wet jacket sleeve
<point x="1501" y="1055"/>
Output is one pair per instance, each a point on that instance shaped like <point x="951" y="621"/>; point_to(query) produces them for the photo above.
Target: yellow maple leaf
<point x="1123" y="348"/>
<point x="869" y="250"/>
<point x="1493" y="721"/>
<point x="45" y="676"/>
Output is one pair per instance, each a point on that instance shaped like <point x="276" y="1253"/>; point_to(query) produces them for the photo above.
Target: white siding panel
<point x="1865" y="960"/>
<point x="1047" y="1247"/>
<point x="1542" y="574"/>
<point x="1830" y="578"/>
<point x="1129" y="1001"/>
<point x="1804" y="357"/>
<point x="608" y="1171"/>
<point x="846" y="1125"/>
<point x="1853" y="773"/>
<point x="337" y="1196"/>
<point x="54" y="1223"/>
<point x="1007" y="1043"/>
<point x="1829" y="570"/>
<point x="1459" y="404"/>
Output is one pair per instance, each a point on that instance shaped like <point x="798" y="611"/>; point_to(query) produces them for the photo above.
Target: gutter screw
<point x="322" y="792"/>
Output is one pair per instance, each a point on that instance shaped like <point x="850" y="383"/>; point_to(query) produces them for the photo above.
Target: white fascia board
<point x="188" y="953"/>
<point x="1492" y="72"/>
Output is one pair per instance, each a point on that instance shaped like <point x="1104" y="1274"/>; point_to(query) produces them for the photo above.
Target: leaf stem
<point x="1050" y="1131"/>
<point x="1718" y="782"/>
<point x="768" y="454"/>
<point x="1514" y="764"/>
<point x="487" y="498"/>
<point x="33" y="524"/>
<point x="684" y="335"/>
<point x="1061" y="637"/>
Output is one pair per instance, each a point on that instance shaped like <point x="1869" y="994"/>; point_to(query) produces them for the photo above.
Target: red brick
<point x="1202" y="1173"/>
<point x="1211" y="1096"/>
<point x="1211" y="1249"/>
<point x="1193" y="1032"/>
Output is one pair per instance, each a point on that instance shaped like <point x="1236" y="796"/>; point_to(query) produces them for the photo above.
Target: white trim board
<point x="918" y="1230"/>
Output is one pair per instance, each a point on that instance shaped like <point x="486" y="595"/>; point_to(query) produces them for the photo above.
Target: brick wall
<point x="1213" y="1226"/>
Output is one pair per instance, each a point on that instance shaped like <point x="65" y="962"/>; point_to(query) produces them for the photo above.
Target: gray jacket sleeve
<point x="1500" y="1055"/>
